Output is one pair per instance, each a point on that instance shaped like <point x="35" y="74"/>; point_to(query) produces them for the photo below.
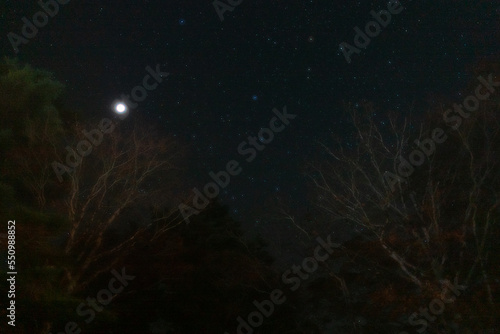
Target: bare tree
<point x="435" y="224"/>
<point x="126" y="170"/>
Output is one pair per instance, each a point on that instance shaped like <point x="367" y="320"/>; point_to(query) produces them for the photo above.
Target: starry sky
<point x="227" y="76"/>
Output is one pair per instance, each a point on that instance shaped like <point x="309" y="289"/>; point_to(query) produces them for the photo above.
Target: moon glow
<point x="120" y="108"/>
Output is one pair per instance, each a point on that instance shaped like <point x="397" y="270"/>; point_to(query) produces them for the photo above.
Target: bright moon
<point x="120" y="108"/>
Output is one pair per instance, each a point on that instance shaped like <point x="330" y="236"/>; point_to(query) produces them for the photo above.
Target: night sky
<point x="227" y="76"/>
